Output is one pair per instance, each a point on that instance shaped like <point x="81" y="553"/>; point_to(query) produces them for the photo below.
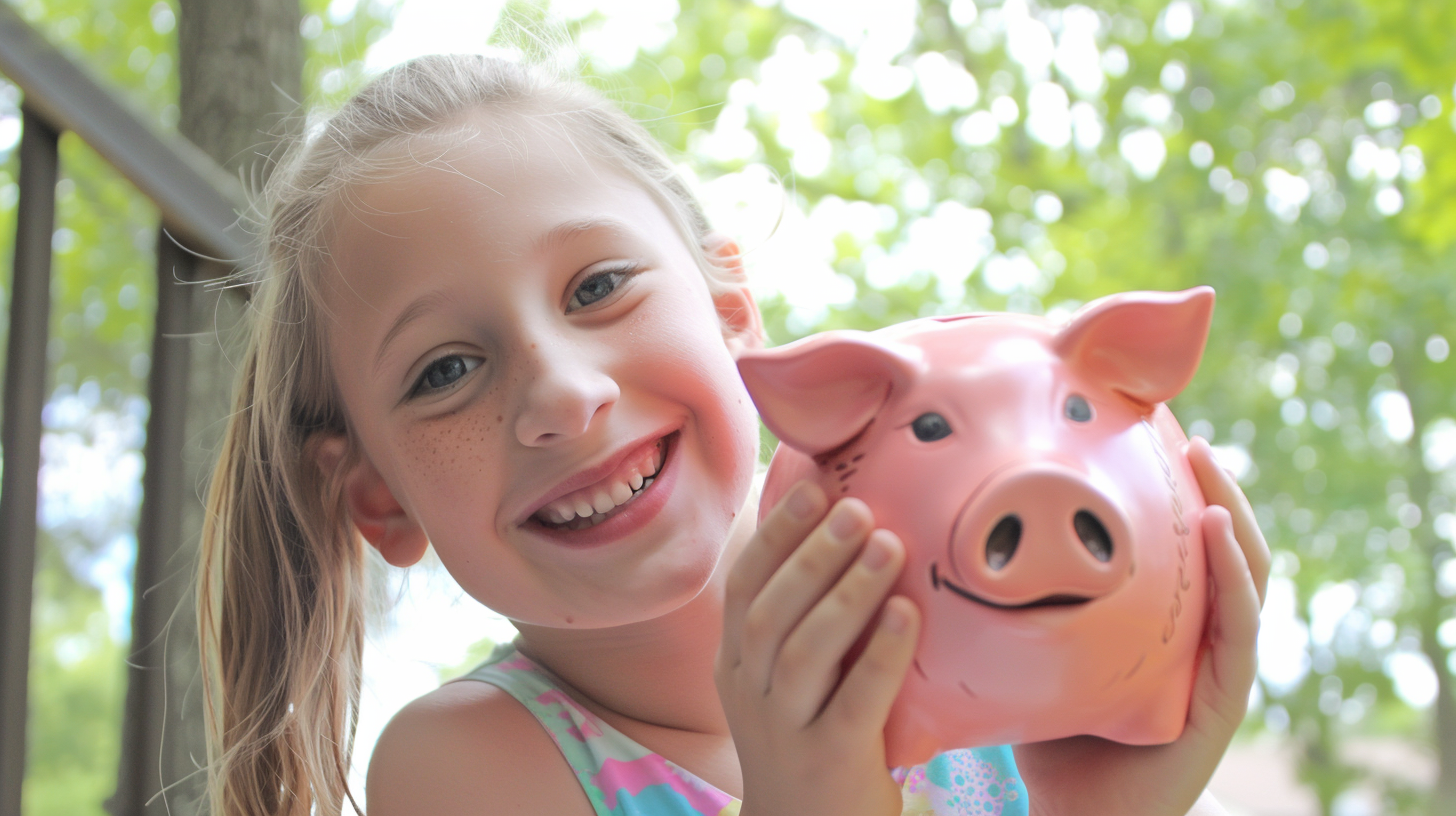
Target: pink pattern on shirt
<point x="913" y="781"/>
<point x="632" y="777"/>
<point x="581" y="727"/>
<point x="518" y="663"/>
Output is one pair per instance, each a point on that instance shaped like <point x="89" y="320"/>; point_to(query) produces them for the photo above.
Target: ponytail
<point x="281" y="603"/>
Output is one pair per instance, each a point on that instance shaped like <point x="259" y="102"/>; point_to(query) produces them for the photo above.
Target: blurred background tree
<point x="95" y="419"/>
<point x="883" y="160"/>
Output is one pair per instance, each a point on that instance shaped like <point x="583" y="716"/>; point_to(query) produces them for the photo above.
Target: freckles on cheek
<point x="440" y="453"/>
<point x="427" y="456"/>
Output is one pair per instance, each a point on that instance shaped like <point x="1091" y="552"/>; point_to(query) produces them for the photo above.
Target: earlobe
<point x="737" y="311"/>
<point x="379" y="517"/>
<point x="742" y="324"/>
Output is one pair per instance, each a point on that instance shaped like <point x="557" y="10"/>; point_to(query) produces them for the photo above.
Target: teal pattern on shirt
<point x="622" y="778"/>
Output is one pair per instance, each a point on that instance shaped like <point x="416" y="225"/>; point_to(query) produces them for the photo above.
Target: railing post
<point x="150" y="714"/>
<point x="196" y="197"/>
<point x="25" y="393"/>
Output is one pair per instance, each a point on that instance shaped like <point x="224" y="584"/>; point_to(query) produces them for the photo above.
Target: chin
<point x="669" y="580"/>
<point x="679" y="575"/>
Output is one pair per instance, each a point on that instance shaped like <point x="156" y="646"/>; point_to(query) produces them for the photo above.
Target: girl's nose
<point x="564" y="392"/>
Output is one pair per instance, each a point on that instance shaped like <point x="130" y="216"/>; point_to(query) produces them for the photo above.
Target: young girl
<point x="494" y="321"/>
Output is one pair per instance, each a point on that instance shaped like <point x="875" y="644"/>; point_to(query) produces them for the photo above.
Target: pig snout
<point x="1036" y="535"/>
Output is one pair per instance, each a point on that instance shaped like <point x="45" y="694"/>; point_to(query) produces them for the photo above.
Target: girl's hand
<point x="1091" y="775"/>
<point x="809" y="736"/>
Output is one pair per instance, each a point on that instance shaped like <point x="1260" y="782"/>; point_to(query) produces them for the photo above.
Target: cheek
<point x="728" y="420"/>
<point x="688" y="362"/>
<point x="742" y="423"/>
<point x="443" y="461"/>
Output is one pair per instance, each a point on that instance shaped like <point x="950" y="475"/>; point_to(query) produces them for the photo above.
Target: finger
<point x="1220" y="488"/>
<point x="808" y="663"/>
<point x="862" y="701"/>
<point x="782" y="530"/>
<point x="1227" y="667"/>
<point x="808" y="573"/>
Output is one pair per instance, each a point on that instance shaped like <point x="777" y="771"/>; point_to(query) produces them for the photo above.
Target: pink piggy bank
<point x="1051" y="521"/>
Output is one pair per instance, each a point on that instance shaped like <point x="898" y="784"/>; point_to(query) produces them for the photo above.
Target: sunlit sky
<point x="790" y="251"/>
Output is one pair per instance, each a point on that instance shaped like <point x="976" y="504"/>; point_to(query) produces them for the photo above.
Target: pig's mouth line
<point x="1060" y="599"/>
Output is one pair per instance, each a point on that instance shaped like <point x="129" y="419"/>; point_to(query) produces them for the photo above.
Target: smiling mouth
<point x="590" y="506"/>
<point x="1061" y="599"/>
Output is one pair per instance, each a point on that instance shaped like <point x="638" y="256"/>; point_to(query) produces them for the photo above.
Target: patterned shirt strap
<point x="620" y="776"/>
<point x="569" y="726"/>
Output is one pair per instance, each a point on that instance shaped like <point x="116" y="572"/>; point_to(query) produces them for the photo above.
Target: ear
<point x="818" y="393"/>
<point x="372" y="507"/>
<point x="742" y="324"/>
<point x="1146" y="345"/>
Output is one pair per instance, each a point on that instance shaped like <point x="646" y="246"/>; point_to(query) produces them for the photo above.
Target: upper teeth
<point x="613" y="492"/>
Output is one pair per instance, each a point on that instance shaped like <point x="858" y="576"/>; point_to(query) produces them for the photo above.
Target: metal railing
<point x="198" y="202"/>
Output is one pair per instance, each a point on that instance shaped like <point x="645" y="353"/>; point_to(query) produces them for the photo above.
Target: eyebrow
<point x="566" y="230"/>
<point x="412" y="312"/>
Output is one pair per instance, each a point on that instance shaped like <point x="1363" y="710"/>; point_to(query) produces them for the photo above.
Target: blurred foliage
<point x="1310" y="177"/>
<point x="78" y="678"/>
<point x="1308" y="173"/>
<point x="475" y="654"/>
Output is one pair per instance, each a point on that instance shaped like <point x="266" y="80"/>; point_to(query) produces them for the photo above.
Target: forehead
<point x="488" y="167"/>
<point x="491" y="192"/>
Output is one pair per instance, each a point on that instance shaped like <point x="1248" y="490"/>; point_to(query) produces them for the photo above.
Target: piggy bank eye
<point x="930" y="427"/>
<point x="1077" y="409"/>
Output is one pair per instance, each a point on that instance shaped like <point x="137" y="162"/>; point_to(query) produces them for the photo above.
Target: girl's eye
<point x="1078" y="409"/>
<point x="598" y="286"/>
<point x="443" y="373"/>
<point x="930" y="427"/>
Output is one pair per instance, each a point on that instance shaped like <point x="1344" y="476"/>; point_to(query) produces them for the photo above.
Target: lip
<point x="1054" y="601"/>
<point x="593" y="474"/>
<point x="631" y="517"/>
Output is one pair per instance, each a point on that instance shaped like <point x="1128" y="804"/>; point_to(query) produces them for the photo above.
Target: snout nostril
<point x="1002" y="542"/>
<point x="1094" y="536"/>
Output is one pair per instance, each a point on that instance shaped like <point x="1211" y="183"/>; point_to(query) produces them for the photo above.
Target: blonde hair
<point x="281" y="595"/>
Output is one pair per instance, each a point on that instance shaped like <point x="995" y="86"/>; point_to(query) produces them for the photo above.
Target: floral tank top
<point x="622" y="778"/>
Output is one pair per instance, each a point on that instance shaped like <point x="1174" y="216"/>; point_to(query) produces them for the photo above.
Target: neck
<point x="658" y="671"/>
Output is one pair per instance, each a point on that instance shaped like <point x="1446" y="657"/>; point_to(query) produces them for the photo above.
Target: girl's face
<point x="539" y="380"/>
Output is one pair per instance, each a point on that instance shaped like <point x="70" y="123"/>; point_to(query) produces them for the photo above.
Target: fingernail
<point x="876" y="555"/>
<point x="843" y="524"/>
<point x="801" y="502"/>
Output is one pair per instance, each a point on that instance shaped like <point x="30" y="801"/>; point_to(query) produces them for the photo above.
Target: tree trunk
<point x="1443" y="797"/>
<point x="241" y="66"/>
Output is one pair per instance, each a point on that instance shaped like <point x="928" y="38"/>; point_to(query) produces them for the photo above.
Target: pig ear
<point x="1143" y="344"/>
<point x="817" y="393"/>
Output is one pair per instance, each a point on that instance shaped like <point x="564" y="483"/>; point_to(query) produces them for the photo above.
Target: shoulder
<point x="469" y="748"/>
